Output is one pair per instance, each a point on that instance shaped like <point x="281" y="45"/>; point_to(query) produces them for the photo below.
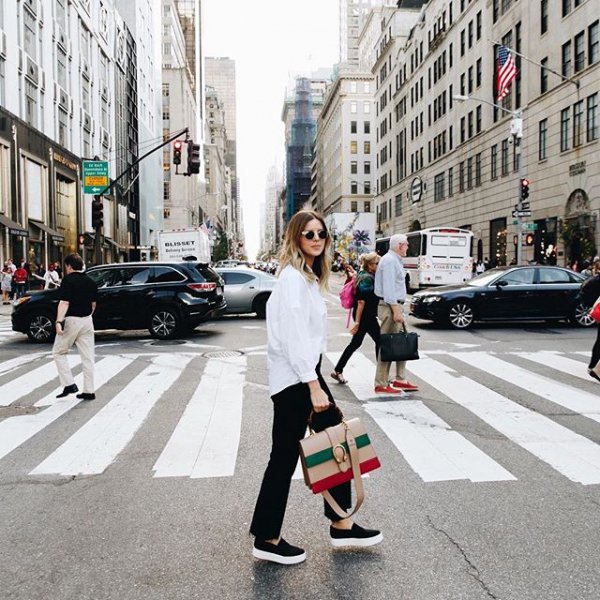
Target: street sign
<point x="530" y="226"/>
<point x="95" y="176"/>
<point x="521" y="213"/>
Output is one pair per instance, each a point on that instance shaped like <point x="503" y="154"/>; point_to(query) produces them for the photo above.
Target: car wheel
<point x="41" y="329"/>
<point x="164" y="324"/>
<point x="260" y="306"/>
<point x="461" y="314"/>
<point x="581" y="316"/>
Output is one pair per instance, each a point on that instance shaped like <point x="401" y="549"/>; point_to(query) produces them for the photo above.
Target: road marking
<point x="360" y="373"/>
<point x="206" y="440"/>
<point x="21" y="386"/>
<point x="430" y="446"/>
<point x="19" y="361"/>
<point x="14" y="431"/>
<point x="96" y="444"/>
<point x="564" y="395"/>
<point x="562" y="364"/>
<point x="569" y="453"/>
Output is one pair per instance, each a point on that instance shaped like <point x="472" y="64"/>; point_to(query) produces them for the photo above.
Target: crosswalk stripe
<point x="21" y="386"/>
<point x="205" y="441"/>
<point x="15" y="431"/>
<point x="96" y="444"/>
<point x="564" y="395"/>
<point x="14" y="363"/>
<point x="430" y="446"/>
<point x="573" y="455"/>
<point x="561" y="363"/>
<point x="360" y="373"/>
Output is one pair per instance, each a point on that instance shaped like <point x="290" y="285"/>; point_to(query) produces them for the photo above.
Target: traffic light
<point x="177" y="152"/>
<point x="524" y="189"/>
<point x="193" y="158"/>
<point x="97" y="213"/>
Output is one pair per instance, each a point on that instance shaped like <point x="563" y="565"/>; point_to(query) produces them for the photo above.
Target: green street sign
<point x="95" y="176"/>
<point x="530" y="226"/>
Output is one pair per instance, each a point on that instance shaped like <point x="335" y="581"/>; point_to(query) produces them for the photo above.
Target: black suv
<point x="167" y="298"/>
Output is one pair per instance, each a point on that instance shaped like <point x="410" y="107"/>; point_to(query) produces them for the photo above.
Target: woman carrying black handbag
<point x="590" y="292"/>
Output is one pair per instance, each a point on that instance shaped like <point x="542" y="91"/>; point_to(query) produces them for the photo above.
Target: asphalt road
<point x="490" y="485"/>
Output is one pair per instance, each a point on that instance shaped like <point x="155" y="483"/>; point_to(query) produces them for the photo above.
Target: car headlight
<point x="430" y="299"/>
<point x="21" y="300"/>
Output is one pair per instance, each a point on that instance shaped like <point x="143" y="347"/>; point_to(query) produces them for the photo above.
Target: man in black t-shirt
<point x="74" y="325"/>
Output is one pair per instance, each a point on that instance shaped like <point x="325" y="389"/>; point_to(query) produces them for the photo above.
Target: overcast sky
<point x="271" y="41"/>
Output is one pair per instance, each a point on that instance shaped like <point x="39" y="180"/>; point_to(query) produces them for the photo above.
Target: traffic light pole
<point x="98" y="228"/>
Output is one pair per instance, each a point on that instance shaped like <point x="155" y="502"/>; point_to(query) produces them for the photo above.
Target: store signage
<point x="577" y="168"/>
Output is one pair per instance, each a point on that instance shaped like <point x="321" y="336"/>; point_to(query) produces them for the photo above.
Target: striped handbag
<point x="335" y="455"/>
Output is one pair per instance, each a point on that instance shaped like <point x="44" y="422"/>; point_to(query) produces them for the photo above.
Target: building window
<point x="564" y="129"/>
<point x="367" y="108"/>
<point x="543" y="16"/>
<point x="367" y="126"/>
<point x="478" y="25"/>
<point x="63" y="128"/>
<point x="367" y="205"/>
<point x="516" y="154"/>
<point x="593" y="43"/>
<point x="579" y="51"/>
<point x="31" y="102"/>
<point x="504" y="158"/>
<point x="494" y="162"/>
<point x="2" y="83"/>
<point x="353" y="167"/>
<point x="469" y="173"/>
<point x="166" y="191"/>
<point x="478" y="119"/>
<point x="438" y="187"/>
<point x="544" y="75"/>
<point x="353" y="147"/>
<point x="592" y="117"/>
<point x="354" y="206"/>
<point x="578" y="124"/>
<point x="353" y="187"/>
<point x="461" y="176"/>
<point x="367" y="187"/>
<point x="462" y="130"/>
<point x="478" y="169"/>
<point x="398" y="205"/>
<point x="566" y="7"/>
<point x="367" y="148"/>
<point x="451" y="181"/>
<point x="478" y="72"/>
<point x="30" y="34"/>
<point x="61" y="67"/>
<point x="352" y="126"/>
<point x="353" y="107"/>
<point x="566" y="59"/>
<point x="542" y="139"/>
<point x="367" y="167"/>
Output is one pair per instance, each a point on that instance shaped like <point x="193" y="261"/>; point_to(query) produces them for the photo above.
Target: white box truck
<point x="184" y="244"/>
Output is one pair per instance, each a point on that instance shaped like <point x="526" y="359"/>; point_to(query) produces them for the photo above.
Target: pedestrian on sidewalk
<point x="6" y="277"/>
<point x="296" y="340"/>
<point x="390" y="287"/>
<point x="365" y="314"/>
<point x="74" y="325"/>
<point x="20" y="278"/>
<point x="51" y="278"/>
<point x="590" y="291"/>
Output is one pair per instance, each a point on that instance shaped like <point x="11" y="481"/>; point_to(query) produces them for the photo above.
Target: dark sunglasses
<point x="309" y="235"/>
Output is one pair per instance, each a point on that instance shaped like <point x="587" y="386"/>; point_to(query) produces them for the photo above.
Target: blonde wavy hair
<point x="368" y="258"/>
<point x="291" y="254"/>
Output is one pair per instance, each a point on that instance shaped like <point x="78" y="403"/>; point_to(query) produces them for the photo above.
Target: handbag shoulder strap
<point x="358" y="482"/>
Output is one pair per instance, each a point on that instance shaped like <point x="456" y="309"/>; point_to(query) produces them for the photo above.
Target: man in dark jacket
<point x="590" y="292"/>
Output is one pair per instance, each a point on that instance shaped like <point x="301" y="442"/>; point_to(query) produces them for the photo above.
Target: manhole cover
<point x="167" y="343"/>
<point x="222" y="354"/>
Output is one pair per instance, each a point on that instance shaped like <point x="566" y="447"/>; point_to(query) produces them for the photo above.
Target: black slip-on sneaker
<point x="69" y="389"/>
<point x="282" y="553"/>
<point x="357" y="536"/>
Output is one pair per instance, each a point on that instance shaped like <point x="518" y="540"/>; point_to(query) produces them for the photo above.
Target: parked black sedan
<point x="525" y="293"/>
<point x="167" y="298"/>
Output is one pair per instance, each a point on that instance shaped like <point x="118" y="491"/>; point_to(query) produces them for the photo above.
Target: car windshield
<point x="485" y="278"/>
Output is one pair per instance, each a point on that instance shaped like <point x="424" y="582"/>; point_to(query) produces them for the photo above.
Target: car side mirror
<point x="502" y="283"/>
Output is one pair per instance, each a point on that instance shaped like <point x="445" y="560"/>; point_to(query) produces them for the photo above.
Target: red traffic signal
<point x="177" y="146"/>
<point x="524" y="188"/>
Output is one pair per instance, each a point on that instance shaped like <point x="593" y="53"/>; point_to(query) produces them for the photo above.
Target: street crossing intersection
<point x="206" y="437"/>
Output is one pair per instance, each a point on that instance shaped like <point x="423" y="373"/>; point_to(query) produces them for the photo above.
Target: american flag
<point x="506" y="71"/>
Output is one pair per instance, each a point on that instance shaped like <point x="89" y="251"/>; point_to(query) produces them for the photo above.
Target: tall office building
<point x="352" y="15"/>
<point x="220" y="75"/>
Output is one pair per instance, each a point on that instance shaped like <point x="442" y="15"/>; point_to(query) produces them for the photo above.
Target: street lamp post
<point x="516" y="130"/>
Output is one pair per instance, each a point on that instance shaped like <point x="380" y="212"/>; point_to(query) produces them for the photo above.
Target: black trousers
<point x="292" y="408"/>
<point x="595" y="351"/>
<point x="370" y="326"/>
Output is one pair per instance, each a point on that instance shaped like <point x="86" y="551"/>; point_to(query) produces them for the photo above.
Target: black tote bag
<point x="399" y="346"/>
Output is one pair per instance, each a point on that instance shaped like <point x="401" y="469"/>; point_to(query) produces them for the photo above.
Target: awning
<point x="13" y="228"/>
<point x="56" y="237"/>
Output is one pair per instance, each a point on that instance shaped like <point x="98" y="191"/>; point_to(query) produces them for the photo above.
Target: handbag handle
<point x="358" y="482"/>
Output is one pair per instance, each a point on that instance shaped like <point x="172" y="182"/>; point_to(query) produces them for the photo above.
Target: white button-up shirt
<point x="296" y="330"/>
<point x="390" y="278"/>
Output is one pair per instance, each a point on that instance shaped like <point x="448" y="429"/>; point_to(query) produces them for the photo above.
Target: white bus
<point x="435" y="256"/>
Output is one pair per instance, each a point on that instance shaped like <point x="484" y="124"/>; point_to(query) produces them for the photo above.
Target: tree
<point x="221" y="248"/>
